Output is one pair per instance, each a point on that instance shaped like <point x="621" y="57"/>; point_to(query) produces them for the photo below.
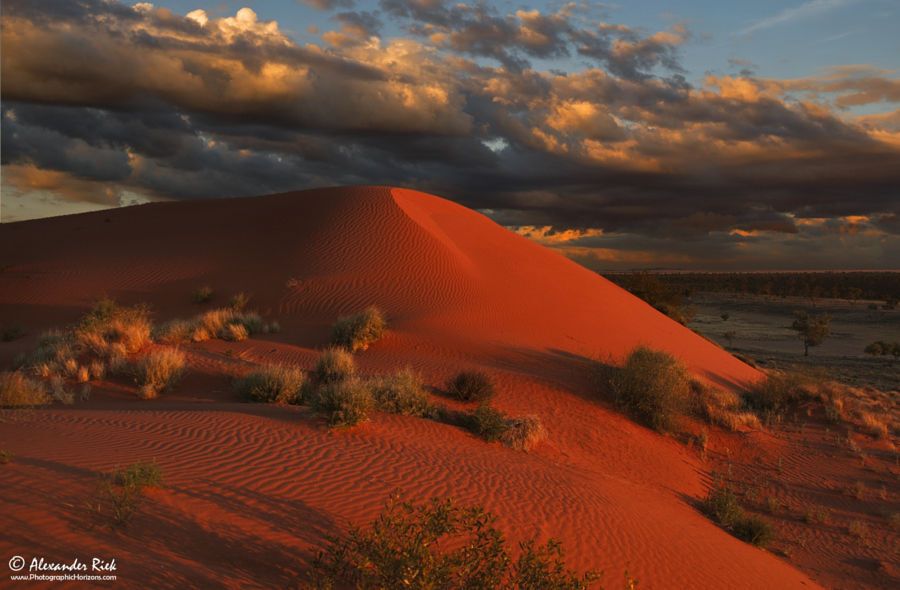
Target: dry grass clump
<point x="334" y="364"/>
<point x="159" y="371"/>
<point x="778" y="392"/>
<point x="345" y="403"/>
<point x="438" y="544"/>
<point x="18" y="391"/>
<point x="653" y="386"/>
<point x="225" y="323"/>
<point x="109" y="323"/>
<point x="721" y="407"/>
<point x="279" y="384"/>
<point x="874" y="425"/>
<point x="471" y="386"/>
<point x="358" y="331"/>
<point x="523" y="434"/>
<point x="401" y="393"/>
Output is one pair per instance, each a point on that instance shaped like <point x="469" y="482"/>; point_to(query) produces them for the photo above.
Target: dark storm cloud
<point x="170" y="106"/>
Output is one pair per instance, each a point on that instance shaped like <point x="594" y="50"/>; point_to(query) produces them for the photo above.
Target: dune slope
<point x="252" y="490"/>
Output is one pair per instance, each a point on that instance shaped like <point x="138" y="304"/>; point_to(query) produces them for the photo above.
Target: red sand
<point x="252" y="489"/>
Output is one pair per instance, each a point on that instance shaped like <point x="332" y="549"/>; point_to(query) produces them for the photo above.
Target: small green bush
<point x="17" y="391"/>
<point x="159" y="371"/>
<point x="723" y="506"/>
<point x="653" y="386"/>
<point x="202" y="295"/>
<point x="120" y="493"/>
<point x="439" y="544"/>
<point x="401" y="393"/>
<point x="489" y="423"/>
<point x="344" y="403"/>
<point x="753" y="530"/>
<point x="471" y="386"/>
<point x="358" y="331"/>
<point x="334" y="364"/>
<point x="272" y="384"/>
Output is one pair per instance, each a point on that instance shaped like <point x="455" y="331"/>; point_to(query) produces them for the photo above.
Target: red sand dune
<point x="251" y="490"/>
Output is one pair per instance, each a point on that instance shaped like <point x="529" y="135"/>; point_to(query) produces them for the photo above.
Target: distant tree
<point x="875" y="348"/>
<point x="812" y="330"/>
<point x="725" y="316"/>
<point x="882" y="348"/>
<point x="729" y="336"/>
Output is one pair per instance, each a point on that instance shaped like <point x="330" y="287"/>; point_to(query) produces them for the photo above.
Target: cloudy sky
<point x="704" y="134"/>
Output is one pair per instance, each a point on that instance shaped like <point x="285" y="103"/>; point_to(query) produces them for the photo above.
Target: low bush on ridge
<point x="334" y="364"/>
<point x="439" y="544"/>
<point x="722" y="506"/>
<point x="357" y="331"/>
<point x="401" y="393"/>
<point x="471" y="386"/>
<point x="653" y="386"/>
<point x="18" y="391"/>
<point x="344" y="403"/>
<point x="158" y="371"/>
<point x="272" y="384"/>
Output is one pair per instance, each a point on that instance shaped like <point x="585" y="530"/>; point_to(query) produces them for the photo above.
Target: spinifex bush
<point x="489" y="423"/>
<point x="159" y="370"/>
<point x="17" y="391"/>
<point x="272" y="384"/>
<point x="653" y="386"/>
<point x="400" y="393"/>
<point x="471" y="386"/>
<point x="109" y="323"/>
<point x="334" y="364"/>
<point x="439" y="544"/>
<point x="358" y="331"/>
<point x="721" y="504"/>
<point x="344" y="403"/>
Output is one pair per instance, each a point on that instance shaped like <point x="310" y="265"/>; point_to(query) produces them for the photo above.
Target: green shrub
<point x="344" y="403"/>
<point x="334" y="364"/>
<point x="159" y="370"/>
<point x="202" y="295"/>
<point x="358" y="331"/>
<point x="17" y="391"/>
<point x="723" y="507"/>
<point x="753" y="530"/>
<point x="401" y="393"/>
<point x="489" y="423"/>
<point x="653" y="386"/>
<point x="120" y="493"/>
<point x="471" y="386"/>
<point x="438" y="544"/>
<point x="272" y="384"/>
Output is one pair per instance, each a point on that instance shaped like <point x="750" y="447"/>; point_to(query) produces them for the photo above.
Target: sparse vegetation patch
<point x="272" y="384"/>
<point x="358" y="331"/>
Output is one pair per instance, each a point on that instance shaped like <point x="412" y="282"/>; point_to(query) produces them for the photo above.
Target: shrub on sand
<point x="489" y="423"/>
<point x="439" y="544"/>
<point x="235" y="333"/>
<point x="471" y="386"/>
<point x="272" y="384"/>
<point x="17" y="391"/>
<point x="334" y="364"/>
<point x="109" y="322"/>
<point x="721" y="407"/>
<point x="202" y="294"/>
<point x="401" y="393"/>
<point x="723" y="507"/>
<point x="524" y="433"/>
<point x="775" y="393"/>
<point x="345" y="403"/>
<point x="159" y="370"/>
<point x="653" y="386"/>
<point x="358" y="331"/>
<point x="120" y="493"/>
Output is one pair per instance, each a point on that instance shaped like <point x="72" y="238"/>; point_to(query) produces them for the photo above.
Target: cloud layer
<point x="103" y="100"/>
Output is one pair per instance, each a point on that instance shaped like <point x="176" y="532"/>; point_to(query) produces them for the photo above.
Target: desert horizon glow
<point x="646" y="135"/>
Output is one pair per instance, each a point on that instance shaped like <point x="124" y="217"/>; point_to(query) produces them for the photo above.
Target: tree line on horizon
<point x="857" y="285"/>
